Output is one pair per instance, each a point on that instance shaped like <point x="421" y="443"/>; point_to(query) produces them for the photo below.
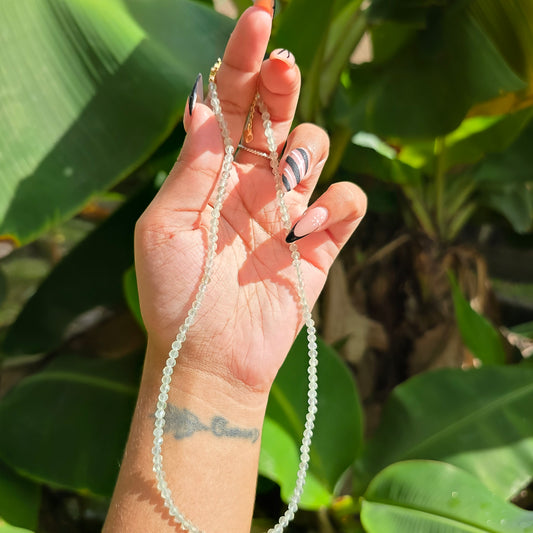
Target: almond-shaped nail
<point x="267" y="5"/>
<point x="197" y="93"/>
<point x="283" y="55"/>
<point x="295" y="167"/>
<point x="312" y="220"/>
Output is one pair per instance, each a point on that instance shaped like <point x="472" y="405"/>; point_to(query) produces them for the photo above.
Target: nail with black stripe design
<point x="295" y="168"/>
<point x="284" y="56"/>
<point x="197" y="93"/>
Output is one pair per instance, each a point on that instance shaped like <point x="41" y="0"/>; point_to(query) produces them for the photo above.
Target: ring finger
<point x="279" y="88"/>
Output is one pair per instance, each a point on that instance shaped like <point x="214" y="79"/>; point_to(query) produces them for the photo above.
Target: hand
<point x="250" y="315"/>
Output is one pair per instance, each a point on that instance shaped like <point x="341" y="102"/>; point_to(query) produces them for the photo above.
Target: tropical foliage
<point x="432" y="114"/>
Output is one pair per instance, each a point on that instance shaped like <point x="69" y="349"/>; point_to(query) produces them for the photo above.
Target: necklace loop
<point x="161" y="406"/>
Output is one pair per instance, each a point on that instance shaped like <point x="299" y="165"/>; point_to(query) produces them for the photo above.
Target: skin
<point x="250" y="315"/>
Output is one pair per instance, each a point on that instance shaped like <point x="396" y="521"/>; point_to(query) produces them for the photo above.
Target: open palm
<point x="251" y="312"/>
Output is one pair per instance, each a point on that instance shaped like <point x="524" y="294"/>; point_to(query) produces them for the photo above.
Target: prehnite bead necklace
<point x="166" y="379"/>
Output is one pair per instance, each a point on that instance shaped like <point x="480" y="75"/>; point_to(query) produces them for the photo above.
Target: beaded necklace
<point x="166" y="378"/>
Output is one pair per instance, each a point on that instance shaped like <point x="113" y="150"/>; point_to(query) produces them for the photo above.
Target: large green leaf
<point x="19" y="499"/>
<point x="413" y="12"/>
<point x="514" y="202"/>
<point x="509" y="25"/>
<point x="309" y="38"/>
<point x="426" y="496"/>
<point x="67" y="425"/>
<point x="6" y="528"/>
<point x="478" y="334"/>
<point x="514" y="165"/>
<point x="479" y="420"/>
<point x="279" y="462"/>
<point x="505" y="182"/>
<point x="338" y="431"/>
<point x="90" y="276"/>
<point x="89" y="90"/>
<point x="428" y="86"/>
<point x="475" y="138"/>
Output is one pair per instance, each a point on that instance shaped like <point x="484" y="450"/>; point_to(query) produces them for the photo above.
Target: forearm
<point x="210" y="454"/>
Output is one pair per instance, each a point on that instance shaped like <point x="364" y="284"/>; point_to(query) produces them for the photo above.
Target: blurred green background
<point x="425" y="377"/>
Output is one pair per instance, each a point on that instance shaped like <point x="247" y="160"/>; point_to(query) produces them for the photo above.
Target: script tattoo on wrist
<point x="183" y="423"/>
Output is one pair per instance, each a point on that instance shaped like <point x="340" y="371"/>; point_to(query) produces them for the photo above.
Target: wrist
<point x="194" y="377"/>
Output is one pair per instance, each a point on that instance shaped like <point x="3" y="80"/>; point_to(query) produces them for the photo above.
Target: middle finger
<point x="237" y="77"/>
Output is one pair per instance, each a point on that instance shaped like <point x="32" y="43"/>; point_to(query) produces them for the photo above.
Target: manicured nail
<point x="267" y="5"/>
<point x="283" y="55"/>
<point x="197" y="93"/>
<point x="311" y="220"/>
<point x="295" y="168"/>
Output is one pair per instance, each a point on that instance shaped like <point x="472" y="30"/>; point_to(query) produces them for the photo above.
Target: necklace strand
<point x="166" y="378"/>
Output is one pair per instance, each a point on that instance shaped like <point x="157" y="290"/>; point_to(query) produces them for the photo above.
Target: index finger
<point x="237" y="78"/>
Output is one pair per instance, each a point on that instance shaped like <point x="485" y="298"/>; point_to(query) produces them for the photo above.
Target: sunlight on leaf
<point x="421" y="496"/>
<point x="338" y="431"/>
<point x="479" y="420"/>
<point x="89" y="90"/>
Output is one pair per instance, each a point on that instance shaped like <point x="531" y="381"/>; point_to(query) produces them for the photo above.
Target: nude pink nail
<point x="311" y="221"/>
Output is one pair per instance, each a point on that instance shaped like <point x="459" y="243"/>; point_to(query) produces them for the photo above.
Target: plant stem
<point x="420" y="212"/>
<point x="440" y="179"/>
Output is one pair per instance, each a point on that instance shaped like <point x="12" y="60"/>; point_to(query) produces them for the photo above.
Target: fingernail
<point x="197" y="93"/>
<point x="267" y="5"/>
<point x="311" y="220"/>
<point x="295" y="167"/>
<point x="283" y="55"/>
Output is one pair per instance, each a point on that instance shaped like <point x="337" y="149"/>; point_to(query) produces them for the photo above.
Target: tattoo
<point x="182" y="423"/>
